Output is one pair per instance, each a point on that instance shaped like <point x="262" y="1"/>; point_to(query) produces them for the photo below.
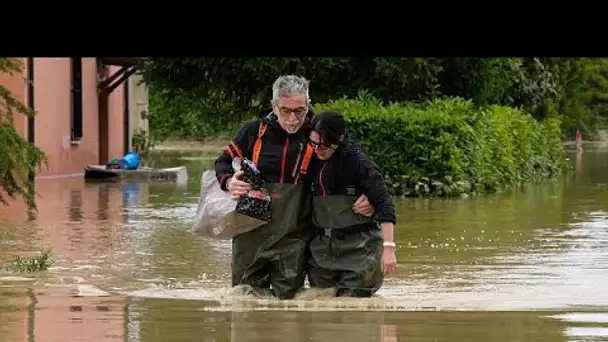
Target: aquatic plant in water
<point x="31" y="265"/>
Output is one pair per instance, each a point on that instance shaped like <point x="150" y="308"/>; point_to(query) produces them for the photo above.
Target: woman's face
<point x="323" y="151"/>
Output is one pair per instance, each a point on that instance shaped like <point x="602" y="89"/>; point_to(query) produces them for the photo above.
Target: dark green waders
<point x="346" y="251"/>
<point x="275" y="255"/>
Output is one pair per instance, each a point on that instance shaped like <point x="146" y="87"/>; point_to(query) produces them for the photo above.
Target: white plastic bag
<point x="215" y="215"/>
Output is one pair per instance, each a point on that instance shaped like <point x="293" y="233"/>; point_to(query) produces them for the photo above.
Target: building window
<point x="76" y="96"/>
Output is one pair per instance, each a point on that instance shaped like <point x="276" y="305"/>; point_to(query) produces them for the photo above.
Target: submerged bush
<point x="447" y="147"/>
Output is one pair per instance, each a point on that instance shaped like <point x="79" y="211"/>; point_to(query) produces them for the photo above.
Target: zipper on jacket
<point x="321" y="179"/>
<point x="283" y="159"/>
<point x="295" y="166"/>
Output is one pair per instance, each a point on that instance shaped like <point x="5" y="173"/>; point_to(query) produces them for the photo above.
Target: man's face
<point x="291" y="111"/>
<point x="323" y="151"/>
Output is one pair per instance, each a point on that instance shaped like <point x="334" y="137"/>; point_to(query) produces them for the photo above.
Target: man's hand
<point x="363" y="207"/>
<point x="237" y="187"/>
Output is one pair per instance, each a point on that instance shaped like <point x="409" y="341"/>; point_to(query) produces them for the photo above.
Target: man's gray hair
<point x="290" y="84"/>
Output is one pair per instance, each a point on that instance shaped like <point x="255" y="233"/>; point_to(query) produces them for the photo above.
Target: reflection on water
<point x="130" y="268"/>
<point x="155" y="320"/>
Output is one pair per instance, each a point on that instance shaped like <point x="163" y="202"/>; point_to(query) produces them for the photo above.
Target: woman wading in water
<point x="349" y="251"/>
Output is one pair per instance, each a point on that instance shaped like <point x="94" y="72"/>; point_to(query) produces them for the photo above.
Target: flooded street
<point x="531" y="266"/>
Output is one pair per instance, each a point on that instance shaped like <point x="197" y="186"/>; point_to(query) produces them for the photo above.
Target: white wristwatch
<point x="389" y="244"/>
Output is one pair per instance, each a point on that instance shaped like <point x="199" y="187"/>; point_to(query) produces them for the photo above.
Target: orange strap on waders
<point x="232" y="146"/>
<point x="305" y="162"/>
<point x="257" y="147"/>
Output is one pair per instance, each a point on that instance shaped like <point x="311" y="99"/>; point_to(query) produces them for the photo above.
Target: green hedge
<point x="448" y="147"/>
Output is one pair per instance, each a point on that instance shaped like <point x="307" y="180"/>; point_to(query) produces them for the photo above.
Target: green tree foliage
<point x="597" y="69"/>
<point x="196" y="97"/>
<point x="18" y="155"/>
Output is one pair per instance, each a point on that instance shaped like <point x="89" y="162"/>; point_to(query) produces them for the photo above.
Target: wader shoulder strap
<point x="257" y="147"/>
<point x="232" y="148"/>
<point x="305" y="162"/>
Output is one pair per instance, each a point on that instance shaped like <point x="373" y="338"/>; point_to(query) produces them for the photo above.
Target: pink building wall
<point x="52" y="86"/>
<point x="116" y="119"/>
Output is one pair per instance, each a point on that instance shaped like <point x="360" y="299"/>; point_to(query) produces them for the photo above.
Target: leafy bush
<point x="448" y="146"/>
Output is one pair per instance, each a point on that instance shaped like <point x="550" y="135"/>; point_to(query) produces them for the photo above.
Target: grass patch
<point x="32" y="265"/>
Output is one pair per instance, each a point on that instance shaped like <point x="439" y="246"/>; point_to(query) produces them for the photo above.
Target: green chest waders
<point x="346" y="251"/>
<point x="275" y="254"/>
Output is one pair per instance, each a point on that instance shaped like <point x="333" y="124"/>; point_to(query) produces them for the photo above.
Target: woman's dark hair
<point x="330" y="126"/>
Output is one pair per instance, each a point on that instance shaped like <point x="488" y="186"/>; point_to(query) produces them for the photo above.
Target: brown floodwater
<point x="529" y="266"/>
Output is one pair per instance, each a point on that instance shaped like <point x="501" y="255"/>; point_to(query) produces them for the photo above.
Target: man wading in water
<point x="275" y="255"/>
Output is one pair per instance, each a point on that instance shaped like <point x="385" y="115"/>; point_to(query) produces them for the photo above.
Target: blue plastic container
<point x="130" y="161"/>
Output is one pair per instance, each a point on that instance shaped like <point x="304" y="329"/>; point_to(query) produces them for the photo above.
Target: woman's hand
<point x="389" y="260"/>
<point x="363" y="207"/>
<point x="237" y="187"/>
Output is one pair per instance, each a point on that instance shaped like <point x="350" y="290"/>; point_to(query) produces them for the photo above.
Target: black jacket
<point x="350" y="172"/>
<point x="280" y="150"/>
